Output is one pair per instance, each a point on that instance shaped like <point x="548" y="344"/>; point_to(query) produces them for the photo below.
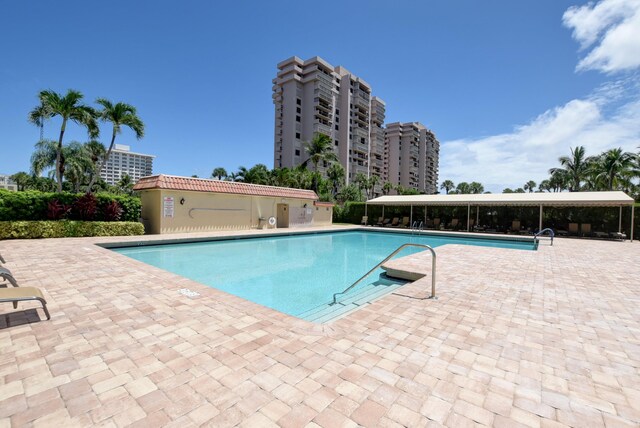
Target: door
<point x="283" y="216"/>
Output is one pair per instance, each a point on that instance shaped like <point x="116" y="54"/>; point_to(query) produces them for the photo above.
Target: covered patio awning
<point x="559" y="199"/>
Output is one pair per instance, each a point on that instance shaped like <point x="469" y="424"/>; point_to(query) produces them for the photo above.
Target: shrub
<point x="33" y="205"/>
<point x="85" y="207"/>
<point x="67" y="229"/>
<point x="57" y="210"/>
<point x="112" y="211"/>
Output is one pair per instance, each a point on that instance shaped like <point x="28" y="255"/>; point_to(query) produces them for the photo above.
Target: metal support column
<point x="540" y="222"/>
<point x="477" y="217"/>
<point x="411" y="216"/>
<point x="425" y="216"/>
<point x="620" y="220"/>
<point x="468" y="215"/>
<point x="632" y="214"/>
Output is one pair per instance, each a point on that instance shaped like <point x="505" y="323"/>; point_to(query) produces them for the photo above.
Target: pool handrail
<point x="548" y="230"/>
<point x="400" y="248"/>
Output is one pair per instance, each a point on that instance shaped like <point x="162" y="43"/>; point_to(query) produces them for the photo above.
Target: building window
<point x="337" y="128"/>
<point x="297" y="135"/>
<point x="298" y="110"/>
<point x="297" y="152"/>
<point x="299" y="101"/>
<point x="337" y="142"/>
<point x="297" y="118"/>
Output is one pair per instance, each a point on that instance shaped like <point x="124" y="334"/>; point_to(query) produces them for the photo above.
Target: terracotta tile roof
<point x="172" y="182"/>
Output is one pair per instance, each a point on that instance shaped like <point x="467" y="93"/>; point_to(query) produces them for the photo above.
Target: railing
<point x="548" y="230"/>
<point x="400" y="248"/>
<point x="417" y="227"/>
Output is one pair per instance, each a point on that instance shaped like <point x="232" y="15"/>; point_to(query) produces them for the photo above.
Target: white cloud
<point x="611" y="29"/>
<point x="527" y="153"/>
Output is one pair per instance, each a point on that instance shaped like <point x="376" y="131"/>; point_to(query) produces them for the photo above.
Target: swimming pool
<point x="295" y="274"/>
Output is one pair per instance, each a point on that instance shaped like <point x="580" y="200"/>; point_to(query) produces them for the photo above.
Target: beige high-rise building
<point x="412" y="153"/>
<point x="123" y="161"/>
<point x="313" y="96"/>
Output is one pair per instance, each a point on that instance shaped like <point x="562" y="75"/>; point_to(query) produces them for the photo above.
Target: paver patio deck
<point x="517" y="338"/>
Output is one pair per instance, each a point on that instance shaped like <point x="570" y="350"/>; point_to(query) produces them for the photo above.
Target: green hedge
<point x="32" y="204"/>
<point x="67" y="229"/>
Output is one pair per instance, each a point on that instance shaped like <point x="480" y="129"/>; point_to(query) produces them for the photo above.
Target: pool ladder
<point x="400" y="248"/>
<point x="417" y="227"/>
<point x="542" y="232"/>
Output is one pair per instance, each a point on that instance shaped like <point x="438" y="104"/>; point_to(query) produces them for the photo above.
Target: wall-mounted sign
<point x="168" y="206"/>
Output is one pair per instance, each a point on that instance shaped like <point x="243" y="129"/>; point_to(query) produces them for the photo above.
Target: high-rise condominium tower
<point x="313" y="97"/>
<point x="412" y="152"/>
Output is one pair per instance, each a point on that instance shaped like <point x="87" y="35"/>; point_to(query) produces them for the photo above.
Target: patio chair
<point x="573" y="228"/>
<point x="23" y="294"/>
<point x="385" y="222"/>
<point x="405" y="222"/>
<point x="585" y="229"/>
<point x="621" y="236"/>
<point x="394" y="223"/>
<point x="436" y="223"/>
<point x="6" y="275"/>
<point x="364" y="220"/>
<point x="515" y="226"/>
<point x="380" y="220"/>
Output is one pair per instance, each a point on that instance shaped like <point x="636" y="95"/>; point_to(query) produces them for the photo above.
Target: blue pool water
<point x="294" y="273"/>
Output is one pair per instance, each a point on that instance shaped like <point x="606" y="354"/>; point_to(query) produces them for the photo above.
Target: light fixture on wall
<point x="304" y="206"/>
<point x="182" y="201"/>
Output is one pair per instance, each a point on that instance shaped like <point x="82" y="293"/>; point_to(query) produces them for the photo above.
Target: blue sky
<point x="507" y="86"/>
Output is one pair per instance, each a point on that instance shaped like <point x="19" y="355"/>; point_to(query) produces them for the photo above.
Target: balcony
<point x="322" y="129"/>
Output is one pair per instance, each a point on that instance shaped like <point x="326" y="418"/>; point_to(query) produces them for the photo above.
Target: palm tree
<point x="387" y="187"/>
<point x="320" y="148"/>
<point x="78" y="165"/>
<point x="361" y="180"/>
<point x="575" y="168"/>
<point x="371" y="185"/>
<point x="530" y="186"/>
<point x="125" y="184"/>
<point x="119" y="114"/>
<point x="447" y="186"/>
<point x="336" y="174"/>
<point x="219" y="173"/>
<point x="613" y="168"/>
<point x="44" y="157"/>
<point x="476" y="187"/>
<point x="96" y="152"/>
<point x="545" y="186"/>
<point x="463" y="188"/>
<point x="68" y="107"/>
<point x="22" y="180"/>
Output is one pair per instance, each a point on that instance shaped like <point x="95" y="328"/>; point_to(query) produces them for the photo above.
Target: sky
<point x="507" y="86"/>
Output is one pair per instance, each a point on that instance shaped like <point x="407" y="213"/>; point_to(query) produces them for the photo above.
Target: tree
<point x="320" y="148"/>
<point x="463" y="188"/>
<point x="22" y="180"/>
<point x="44" y="157"/>
<point x="387" y="187"/>
<point x="507" y="190"/>
<point x="545" y="186"/>
<point x="336" y="175"/>
<point x="574" y="168"/>
<point x="68" y="107"/>
<point x="476" y="188"/>
<point x="219" y="173"/>
<point x="350" y="192"/>
<point x="119" y="115"/>
<point x="78" y="165"/>
<point x="447" y="186"/>
<point x="530" y="186"/>
<point x="96" y="152"/>
<point x="125" y="184"/>
<point x="371" y="185"/>
<point x="361" y="181"/>
<point x="613" y="168"/>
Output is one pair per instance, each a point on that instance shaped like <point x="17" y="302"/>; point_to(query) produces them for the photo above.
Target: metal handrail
<point x="549" y="230"/>
<point x="400" y="248"/>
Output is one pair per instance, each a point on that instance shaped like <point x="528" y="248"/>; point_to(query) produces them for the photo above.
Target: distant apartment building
<point x="123" y="161"/>
<point x="7" y="183"/>
<point x="312" y="97"/>
<point x="412" y="153"/>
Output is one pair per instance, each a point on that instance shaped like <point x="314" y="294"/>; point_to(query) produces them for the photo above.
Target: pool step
<point x="359" y="297"/>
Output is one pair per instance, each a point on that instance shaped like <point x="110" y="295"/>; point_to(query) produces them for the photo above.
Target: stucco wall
<point x="205" y="211"/>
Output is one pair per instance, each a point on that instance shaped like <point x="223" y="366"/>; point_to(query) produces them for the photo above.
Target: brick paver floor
<point x="517" y="338"/>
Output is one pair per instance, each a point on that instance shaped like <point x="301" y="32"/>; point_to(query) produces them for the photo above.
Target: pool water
<point x="294" y="273"/>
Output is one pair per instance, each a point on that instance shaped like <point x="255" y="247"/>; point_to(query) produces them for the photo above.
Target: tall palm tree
<point x="371" y="185"/>
<point x="78" y="165"/>
<point x="119" y="114"/>
<point x="68" y="107"/>
<point x="320" y="148"/>
<point x="575" y="168"/>
<point x="447" y="186"/>
<point x="96" y="152"/>
<point x="44" y="157"/>
<point x="361" y="181"/>
<point x="613" y="168"/>
<point x="336" y="174"/>
<point x="219" y="173"/>
<point x="463" y="188"/>
<point x="22" y="180"/>
<point x="530" y="186"/>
